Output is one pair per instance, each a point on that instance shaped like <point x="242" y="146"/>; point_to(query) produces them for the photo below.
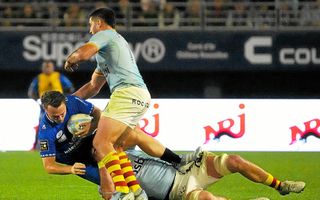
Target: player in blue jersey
<point x="57" y="144"/>
<point x="129" y="98"/>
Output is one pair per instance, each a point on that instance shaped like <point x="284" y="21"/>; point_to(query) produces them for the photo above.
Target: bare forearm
<point x="96" y="116"/>
<point x="83" y="53"/>
<point x="75" y="58"/>
<point x="59" y="169"/>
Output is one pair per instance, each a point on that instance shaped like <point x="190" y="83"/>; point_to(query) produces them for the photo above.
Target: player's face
<point x="57" y="114"/>
<point x="94" y="25"/>
<point x="47" y="67"/>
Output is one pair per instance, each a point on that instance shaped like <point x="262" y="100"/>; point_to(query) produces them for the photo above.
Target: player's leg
<point x="108" y="131"/>
<point x="124" y="110"/>
<point x="236" y="163"/>
<point x="154" y="148"/>
<point x="203" y="195"/>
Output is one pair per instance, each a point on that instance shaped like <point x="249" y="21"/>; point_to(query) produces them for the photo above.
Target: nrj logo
<point x="225" y="126"/>
<point x="310" y="128"/>
<point x="145" y="124"/>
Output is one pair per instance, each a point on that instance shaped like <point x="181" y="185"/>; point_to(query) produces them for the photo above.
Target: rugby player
<point x="129" y="98"/>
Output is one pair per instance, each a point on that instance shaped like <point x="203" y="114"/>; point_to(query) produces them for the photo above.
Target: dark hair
<point x="106" y="14"/>
<point x="52" y="98"/>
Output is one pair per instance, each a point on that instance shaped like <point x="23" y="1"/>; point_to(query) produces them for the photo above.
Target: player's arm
<point x="93" y="87"/>
<point x="83" y="53"/>
<point x="53" y="167"/>
<point x="96" y="116"/>
<point x="89" y="127"/>
<point x="32" y="92"/>
<point x="66" y="84"/>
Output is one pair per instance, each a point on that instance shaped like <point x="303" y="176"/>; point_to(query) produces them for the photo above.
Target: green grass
<point x="22" y="177"/>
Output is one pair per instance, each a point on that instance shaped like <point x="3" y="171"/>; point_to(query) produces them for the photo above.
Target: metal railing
<point x="161" y="15"/>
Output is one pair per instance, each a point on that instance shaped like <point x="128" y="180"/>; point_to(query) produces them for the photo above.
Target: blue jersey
<point x="116" y="61"/>
<point x="56" y="140"/>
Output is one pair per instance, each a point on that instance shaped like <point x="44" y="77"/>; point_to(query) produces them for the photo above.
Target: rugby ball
<point x="75" y="121"/>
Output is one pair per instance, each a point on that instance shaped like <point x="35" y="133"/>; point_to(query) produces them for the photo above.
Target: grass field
<point x="23" y="178"/>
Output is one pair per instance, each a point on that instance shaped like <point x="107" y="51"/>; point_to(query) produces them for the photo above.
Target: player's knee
<point x="234" y="163"/>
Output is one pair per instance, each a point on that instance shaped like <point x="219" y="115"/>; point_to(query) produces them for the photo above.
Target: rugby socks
<point x="128" y="173"/>
<point x="170" y="157"/>
<point x="112" y="163"/>
<point x="272" y="182"/>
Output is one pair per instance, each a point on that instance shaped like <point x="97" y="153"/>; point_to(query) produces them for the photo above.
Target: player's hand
<point x="70" y="67"/>
<point x="85" y="128"/>
<point x="106" y="195"/>
<point x="78" y="169"/>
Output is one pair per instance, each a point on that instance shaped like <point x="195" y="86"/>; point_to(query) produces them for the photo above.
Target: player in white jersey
<point x="161" y="181"/>
<point x="129" y="100"/>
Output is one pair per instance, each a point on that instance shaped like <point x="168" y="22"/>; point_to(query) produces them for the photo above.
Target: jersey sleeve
<point x="34" y="85"/>
<point x="99" y="39"/>
<point x="66" y="83"/>
<point x="81" y="105"/>
<point x="47" y="141"/>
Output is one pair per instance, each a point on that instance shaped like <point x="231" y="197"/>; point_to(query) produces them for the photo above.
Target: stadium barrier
<point x="185" y="124"/>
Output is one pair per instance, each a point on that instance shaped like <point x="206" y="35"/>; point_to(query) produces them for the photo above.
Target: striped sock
<point x="112" y="163"/>
<point x="128" y="173"/>
<point x="272" y="182"/>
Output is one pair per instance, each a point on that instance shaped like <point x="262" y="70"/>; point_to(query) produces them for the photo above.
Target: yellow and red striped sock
<point x="112" y="163"/>
<point x="128" y="173"/>
<point x="272" y="182"/>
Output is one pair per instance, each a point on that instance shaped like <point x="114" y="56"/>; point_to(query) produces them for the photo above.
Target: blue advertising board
<point x="174" y="51"/>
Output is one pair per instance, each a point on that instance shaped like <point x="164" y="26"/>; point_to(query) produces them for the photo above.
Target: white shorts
<point x="128" y="105"/>
<point x="197" y="176"/>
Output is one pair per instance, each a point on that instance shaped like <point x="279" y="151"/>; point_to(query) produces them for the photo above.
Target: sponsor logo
<point x="300" y="56"/>
<point x="61" y="137"/>
<point x="310" y="129"/>
<point x="153" y="128"/>
<point x="260" y="42"/>
<point x="287" y="56"/>
<point x="152" y="50"/>
<point x="204" y="51"/>
<point x="44" y="145"/>
<point x="140" y="103"/>
<point x="52" y="46"/>
<point x="225" y="128"/>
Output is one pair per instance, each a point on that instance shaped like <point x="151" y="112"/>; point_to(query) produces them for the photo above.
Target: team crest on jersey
<point x="44" y="145"/>
<point x="44" y="126"/>
<point x="61" y="137"/>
